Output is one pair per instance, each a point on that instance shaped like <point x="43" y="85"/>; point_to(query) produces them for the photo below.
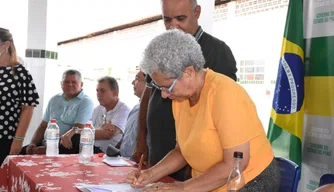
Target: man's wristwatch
<point x="76" y="130"/>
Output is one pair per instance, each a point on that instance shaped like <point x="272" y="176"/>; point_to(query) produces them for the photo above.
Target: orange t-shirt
<point x="224" y="117"/>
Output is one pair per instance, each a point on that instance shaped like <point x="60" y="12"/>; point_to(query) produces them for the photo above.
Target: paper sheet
<point x="115" y="161"/>
<point x="120" y="187"/>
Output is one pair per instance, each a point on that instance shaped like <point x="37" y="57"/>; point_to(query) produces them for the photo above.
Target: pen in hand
<point x="140" y="166"/>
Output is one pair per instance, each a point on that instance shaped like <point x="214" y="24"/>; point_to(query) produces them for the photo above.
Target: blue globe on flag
<point x="289" y="90"/>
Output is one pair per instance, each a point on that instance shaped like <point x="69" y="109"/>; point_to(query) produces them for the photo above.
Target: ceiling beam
<point x="126" y="26"/>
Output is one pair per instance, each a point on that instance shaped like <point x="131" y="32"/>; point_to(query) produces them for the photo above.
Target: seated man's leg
<point x="75" y="146"/>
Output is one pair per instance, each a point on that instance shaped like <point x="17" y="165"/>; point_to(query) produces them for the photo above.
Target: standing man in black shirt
<point x="156" y="120"/>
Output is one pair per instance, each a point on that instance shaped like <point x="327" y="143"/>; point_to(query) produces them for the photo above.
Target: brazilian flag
<point x="286" y="119"/>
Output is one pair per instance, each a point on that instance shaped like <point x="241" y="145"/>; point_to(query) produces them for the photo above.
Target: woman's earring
<point x="6" y="50"/>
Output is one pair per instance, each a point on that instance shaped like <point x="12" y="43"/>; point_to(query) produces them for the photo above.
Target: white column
<point x="206" y="17"/>
<point x="41" y="56"/>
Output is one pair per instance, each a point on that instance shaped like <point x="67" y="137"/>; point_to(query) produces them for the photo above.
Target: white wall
<point x="206" y="17"/>
<point x="256" y="37"/>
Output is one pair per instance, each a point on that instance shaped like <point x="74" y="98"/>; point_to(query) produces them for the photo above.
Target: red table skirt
<point x="61" y="173"/>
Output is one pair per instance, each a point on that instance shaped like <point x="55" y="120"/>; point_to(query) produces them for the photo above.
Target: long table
<point x="62" y="173"/>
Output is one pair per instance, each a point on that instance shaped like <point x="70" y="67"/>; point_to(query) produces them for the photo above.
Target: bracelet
<point x="18" y="138"/>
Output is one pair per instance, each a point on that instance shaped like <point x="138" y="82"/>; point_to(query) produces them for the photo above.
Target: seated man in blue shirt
<point x="72" y="108"/>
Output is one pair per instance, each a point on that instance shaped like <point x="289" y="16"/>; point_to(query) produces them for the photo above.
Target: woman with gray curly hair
<point x="171" y="55"/>
<point x="214" y="117"/>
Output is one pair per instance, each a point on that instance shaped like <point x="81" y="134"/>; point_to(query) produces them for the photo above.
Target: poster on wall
<point x="318" y="131"/>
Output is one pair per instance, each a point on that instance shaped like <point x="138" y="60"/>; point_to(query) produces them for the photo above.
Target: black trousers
<point x="4" y="149"/>
<point x="62" y="150"/>
<point x="183" y="174"/>
<point x="268" y="180"/>
<point x="75" y="147"/>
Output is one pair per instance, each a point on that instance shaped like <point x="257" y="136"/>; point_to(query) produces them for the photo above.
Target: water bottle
<point x="90" y="122"/>
<point x="236" y="180"/>
<point x="86" y="144"/>
<point x="93" y="129"/>
<point x="52" y="138"/>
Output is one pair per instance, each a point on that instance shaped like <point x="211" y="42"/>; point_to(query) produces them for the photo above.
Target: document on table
<point x="120" y="187"/>
<point x="115" y="161"/>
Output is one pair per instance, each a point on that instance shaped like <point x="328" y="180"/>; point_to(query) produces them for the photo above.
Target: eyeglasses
<point x="169" y="90"/>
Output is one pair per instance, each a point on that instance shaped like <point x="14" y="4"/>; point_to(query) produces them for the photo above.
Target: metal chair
<point x="326" y="179"/>
<point x="290" y="175"/>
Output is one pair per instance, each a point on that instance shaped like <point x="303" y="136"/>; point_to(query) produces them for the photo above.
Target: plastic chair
<point x="290" y="175"/>
<point x="326" y="179"/>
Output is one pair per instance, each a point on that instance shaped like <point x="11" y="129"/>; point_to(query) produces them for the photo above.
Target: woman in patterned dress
<point x="18" y="98"/>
